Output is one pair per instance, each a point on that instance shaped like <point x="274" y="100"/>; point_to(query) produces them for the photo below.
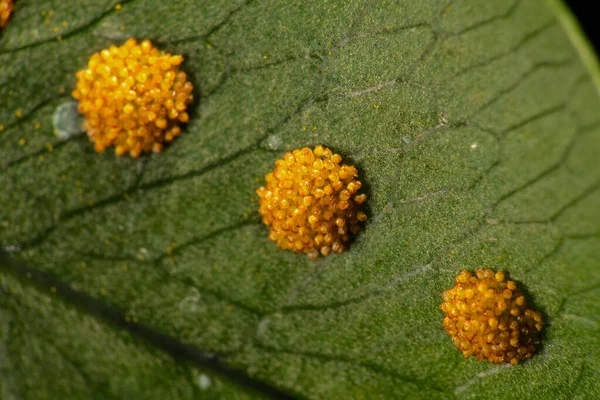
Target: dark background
<point x="584" y="11"/>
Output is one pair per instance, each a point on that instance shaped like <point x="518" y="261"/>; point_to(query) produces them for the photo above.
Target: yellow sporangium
<point x="488" y="317"/>
<point x="133" y="97"/>
<point x="311" y="202"/>
<point x="6" y="8"/>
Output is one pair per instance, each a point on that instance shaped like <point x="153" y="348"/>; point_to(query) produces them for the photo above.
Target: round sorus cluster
<point x="6" y="7"/>
<point x="311" y="202"/>
<point x="133" y="97"/>
<point x="488" y="317"/>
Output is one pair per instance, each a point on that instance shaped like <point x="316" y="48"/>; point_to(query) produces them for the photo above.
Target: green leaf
<point x="475" y="128"/>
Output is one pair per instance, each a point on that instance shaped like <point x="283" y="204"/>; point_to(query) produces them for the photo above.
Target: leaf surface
<point x="475" y="128"/>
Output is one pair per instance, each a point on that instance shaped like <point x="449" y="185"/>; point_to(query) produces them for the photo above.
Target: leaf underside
<point x="475" y="129"/>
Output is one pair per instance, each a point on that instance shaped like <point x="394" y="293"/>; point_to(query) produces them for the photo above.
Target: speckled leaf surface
<point x="475" y="126"/>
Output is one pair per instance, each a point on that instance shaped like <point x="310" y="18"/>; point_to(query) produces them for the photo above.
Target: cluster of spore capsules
<point x="488" y="317"/>
<point x="6" y="7"/>
<point x="135" y="97"/>
<point x="311" y="202"/>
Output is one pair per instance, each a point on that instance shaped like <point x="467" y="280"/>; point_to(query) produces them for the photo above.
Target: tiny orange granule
<point x="133" y="97"/>
<point x="488" y="317"/>
<point x="311" y="202"/>
<point x="6" y="8"/>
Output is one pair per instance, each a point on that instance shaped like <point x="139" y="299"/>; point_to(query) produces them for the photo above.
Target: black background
<point x="588" y="18"/>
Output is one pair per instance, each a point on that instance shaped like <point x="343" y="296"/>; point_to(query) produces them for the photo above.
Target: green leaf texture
<point x="476" y="131"/>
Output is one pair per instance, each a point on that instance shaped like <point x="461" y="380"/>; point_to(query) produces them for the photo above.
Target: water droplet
<point x="274" y="142"/>
<point x="67" y="121"/>
<point x="190" y="303"/>
<point x="204" y="381"/>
